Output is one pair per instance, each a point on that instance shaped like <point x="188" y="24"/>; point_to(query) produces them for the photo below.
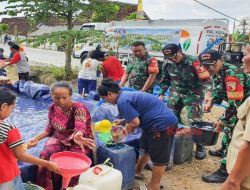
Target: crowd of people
<point x="192" y="81"/>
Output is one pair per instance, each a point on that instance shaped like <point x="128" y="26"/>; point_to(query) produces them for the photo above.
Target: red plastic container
<point x="71" y="164"/>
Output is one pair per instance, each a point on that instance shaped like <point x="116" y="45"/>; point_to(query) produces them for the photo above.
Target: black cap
<point x="209" y="57"/>
<point x="170" y="50"/>
<point x="15" y="47"/>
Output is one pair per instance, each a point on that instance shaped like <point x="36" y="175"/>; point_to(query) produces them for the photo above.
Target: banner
<point x="148" y="36"/>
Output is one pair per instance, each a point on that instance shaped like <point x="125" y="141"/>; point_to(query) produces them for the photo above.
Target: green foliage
<point x="57" y="73"/>
<point x="132" y="16"/>
<point x="103" y="11"/>
<point x="41" y="10"/>
<point x="4" y="28"/>
<point x="50" y="74"/>
<point x="239" y="37"/>
<point x="61" y="38"/>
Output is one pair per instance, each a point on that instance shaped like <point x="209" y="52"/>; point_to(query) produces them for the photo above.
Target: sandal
<point x="143" y="187"/>
<point x="140" y="177"/>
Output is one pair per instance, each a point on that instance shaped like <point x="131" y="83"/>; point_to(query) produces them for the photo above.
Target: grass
<point x="45" y="74"/>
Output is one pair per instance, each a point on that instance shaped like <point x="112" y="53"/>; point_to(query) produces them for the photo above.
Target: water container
<point x="102" y="177"/>
<point x="166" y="96"/>
<point x="183" y="145"/>
<point x="93" y="95"/>
<point x="133" y="140"/>
<point x="84" y="187"/>
<point x="123" y="158"/>
<point x="103" y="126"/>
<point x="156" y="90"/>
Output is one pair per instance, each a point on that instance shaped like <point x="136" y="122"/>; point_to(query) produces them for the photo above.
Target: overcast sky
<point x="184" y="9"/>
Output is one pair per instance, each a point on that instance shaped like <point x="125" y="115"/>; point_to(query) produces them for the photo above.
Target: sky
<point x="188" y="9"/>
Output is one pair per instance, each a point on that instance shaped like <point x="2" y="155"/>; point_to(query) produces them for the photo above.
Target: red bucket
<point x="71" y="164"/>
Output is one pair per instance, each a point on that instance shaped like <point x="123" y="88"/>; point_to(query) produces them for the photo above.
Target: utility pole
<point x="244" y="23"/>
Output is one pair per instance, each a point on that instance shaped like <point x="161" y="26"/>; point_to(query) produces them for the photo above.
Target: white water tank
<point x="84" y="187"/>
<point x="102" y="177"/>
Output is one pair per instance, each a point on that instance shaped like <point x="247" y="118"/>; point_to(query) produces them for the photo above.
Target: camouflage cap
<point x="209" y="57"/>
<point x="170" y="50"/>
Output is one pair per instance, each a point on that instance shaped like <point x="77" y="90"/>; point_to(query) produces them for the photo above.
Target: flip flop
<point x="139" y="177"/>
<point x="143" y="187"/>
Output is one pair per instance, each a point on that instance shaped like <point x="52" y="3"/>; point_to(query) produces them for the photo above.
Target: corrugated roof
<point x="44" y="29"/>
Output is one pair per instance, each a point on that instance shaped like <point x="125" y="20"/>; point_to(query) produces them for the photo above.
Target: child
<point x="12" y="147"/>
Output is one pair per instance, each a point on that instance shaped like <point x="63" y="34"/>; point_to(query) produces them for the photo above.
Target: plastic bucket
<point x="203" y="133"/>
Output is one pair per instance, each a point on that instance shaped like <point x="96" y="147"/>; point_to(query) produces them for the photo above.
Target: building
<point x="19" y="27"/>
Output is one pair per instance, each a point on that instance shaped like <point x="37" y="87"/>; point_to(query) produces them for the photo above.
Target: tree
<point x="43" y="10"/>
<point x="103" y="10"/>
<point x="61" y="38"/>
<point x="3" y="29"/>
<point x="132" y="16"/>
<point x="239" y="37"/>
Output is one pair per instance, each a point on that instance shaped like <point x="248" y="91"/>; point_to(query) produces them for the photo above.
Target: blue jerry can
<point x="123" y="158"/>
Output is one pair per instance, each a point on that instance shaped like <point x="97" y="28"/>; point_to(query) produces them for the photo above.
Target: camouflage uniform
<point x="219" y="93"/>
<point x="186" y="88"/>
<point x="139" y="71"/>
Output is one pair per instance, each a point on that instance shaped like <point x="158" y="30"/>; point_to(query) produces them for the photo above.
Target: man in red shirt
<point x="111" y="67"/>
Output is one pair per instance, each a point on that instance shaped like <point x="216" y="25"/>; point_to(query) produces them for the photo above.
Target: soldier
<point x="232" y="86"/>
<point x="141" y="73"/>
<point x="238" y="151"/>
<point x="189" y="84"/>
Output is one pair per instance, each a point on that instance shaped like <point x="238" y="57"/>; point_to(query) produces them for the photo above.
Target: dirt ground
<point x="187" y="176"/>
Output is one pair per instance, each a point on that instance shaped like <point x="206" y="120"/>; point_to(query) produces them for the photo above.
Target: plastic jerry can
<point x="82" y="187"/>
<point x="102" y="177"/>
<point x="183" y="144"/>
<point x="123" y="158"/>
